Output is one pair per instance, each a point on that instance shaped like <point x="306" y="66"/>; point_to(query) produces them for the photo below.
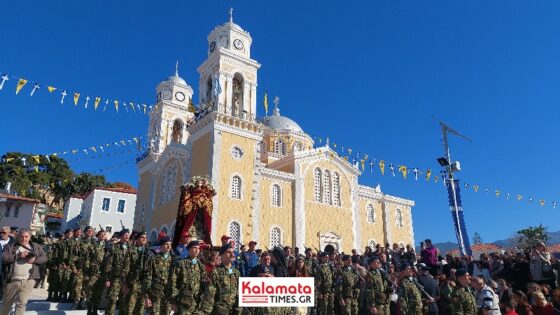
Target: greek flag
<point x="457" y="214"/>
<point x="217" y="87"/>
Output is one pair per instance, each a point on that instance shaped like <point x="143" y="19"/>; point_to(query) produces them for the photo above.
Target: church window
<point x="237" y="95"/>
<point x="8" y="209"/>
<point x="177" y="133"/>
<point x="16" y="211"/>
<point x="235" y="232"/>
<point x="327" y="187"/>
<point x="370" y="214"/>
<point x="153" y="237"/>
<point x="317" y="185"/>
<point x="236" y="187"/>
<point x="336" y="189"/>
<point x="276" y="195"/>
<point x="280" y="147"/>
<point x="399" y="218"/>
<point x="275" y="237"/>
<point x="236" y="152"/>
<point x="168" y="188"/>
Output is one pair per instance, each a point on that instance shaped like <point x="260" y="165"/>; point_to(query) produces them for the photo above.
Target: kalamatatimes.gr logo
<point x="276" y="292"/>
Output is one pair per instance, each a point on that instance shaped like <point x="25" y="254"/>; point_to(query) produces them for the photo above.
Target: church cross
<point x="63" y="96"/>
<point x="231" y="15"/>
<point x="5" y="78"/>
<point x="177" y="68"/>
<point x="276" y="101"/>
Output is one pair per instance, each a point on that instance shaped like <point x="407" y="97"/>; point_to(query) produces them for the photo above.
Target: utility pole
<point x="453" y="190"/>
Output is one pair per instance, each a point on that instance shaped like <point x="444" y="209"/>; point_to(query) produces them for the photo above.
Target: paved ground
<point x="38" y="305"/>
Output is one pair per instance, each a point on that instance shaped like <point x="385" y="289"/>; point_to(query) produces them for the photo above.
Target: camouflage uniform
<point x="348" y="289"/>
<point x="96" y="258"/>
<point x="410" y="298"/>
<point x="184" y="287"/>
<point x="115" y="270"/>
<point x="155" y="282"/>
<point x="83" y="262"/>
<point x="64" y="269"/>
<point x="378" y="292"/>
<point x="134" y="300"/>
<point x="76" y="262"/>
<point x="311" y="265"/>
<point x="462" y="301"/>
<point x="324" y="281"/>
<point x="220" y="298"/>
<point x="53" y="264"/>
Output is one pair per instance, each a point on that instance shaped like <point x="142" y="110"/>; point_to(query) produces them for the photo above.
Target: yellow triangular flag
<point x="51" y="89"/>
<point x="76" y="98"/>
<point x="10" y="159"/>
<point x="21" y="83"/>
<point x="428" y="174"/>
<point x="144" y="108"/>
<point x="542" y="202"/>
<point x="363" y="164"/>
<point x="519" y="197"/>
<point x="97" y="100"/>
<point x="498" y="193"/>
<point x="266" y="103"/>
<point x="403" y="170"/>
<point x="36" y="168"/>
<point x="117" y="106"/>
<point x="382" y="167"/>
<point x="36" y="158"/>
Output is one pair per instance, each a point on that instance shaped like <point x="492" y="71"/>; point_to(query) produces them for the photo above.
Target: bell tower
<point x="228" y="77"/>
<point x="169" y="118"/>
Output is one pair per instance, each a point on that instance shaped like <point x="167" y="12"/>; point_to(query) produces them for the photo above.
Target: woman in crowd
<point x="541" y="306"/>
<point x="522" y="306"/>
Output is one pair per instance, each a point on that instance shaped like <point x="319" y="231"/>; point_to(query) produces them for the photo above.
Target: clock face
<point x="212" y="46"/>
<point x="166" y="94"/>
<point x="180" y="96"/>
<point x="238" y="44"/>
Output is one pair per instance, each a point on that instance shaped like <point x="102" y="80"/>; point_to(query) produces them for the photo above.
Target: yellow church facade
<point x="274" y="184"/>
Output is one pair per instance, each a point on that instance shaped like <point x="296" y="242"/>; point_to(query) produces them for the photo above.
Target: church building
<point x="274" y="184"/>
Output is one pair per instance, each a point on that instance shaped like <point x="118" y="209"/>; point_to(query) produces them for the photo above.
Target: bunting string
<point x="78" y="98"/>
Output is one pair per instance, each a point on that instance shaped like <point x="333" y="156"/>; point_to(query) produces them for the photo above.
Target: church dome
<point x="278" y="122"/>
<point x="175" y="79"/>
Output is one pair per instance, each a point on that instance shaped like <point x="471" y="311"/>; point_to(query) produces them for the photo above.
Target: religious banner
<point x="456" y="207"/>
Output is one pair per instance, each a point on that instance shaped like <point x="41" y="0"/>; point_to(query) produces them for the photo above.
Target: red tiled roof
<point x="554" y="248"/>
<point x="14" y="197"/>
<point x="479" y="248"/>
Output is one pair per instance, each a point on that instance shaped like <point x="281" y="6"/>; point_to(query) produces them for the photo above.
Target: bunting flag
<point x="382" y="167"/>
<point x="117" y="105"/>
<point x="416" y="172"/>
<point x="476" y="187"/>
<point x="436" y="178"/>
<point x="392" y="168"/>
<point x="76" y="97"/>
<point x="36" y="168"/>
<point x="96" y="103"/>
<point x="36" y="158"/>
<point x="21" y="83"/>
<point x="363" y="164"/>
<point x="519" y="197"/>
<point x="87" y="102"/>
<point x="63" y="96"/>
<point x="498" y="193"/>
<point x="371" y="166"/>
<point x="35" y="88"/>
<point x="542" y="202"/>
<point x="403" y="170"/>
<point x="51" y="89"/>
<point x="554" y="204"/>
<point x="428" y="174"/>
<point x="4" y="78"/>
<point x="265" y="103"/>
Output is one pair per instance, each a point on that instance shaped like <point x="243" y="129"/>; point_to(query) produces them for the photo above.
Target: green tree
<point x="477" y="239"/>
<point x="531" y="236"/>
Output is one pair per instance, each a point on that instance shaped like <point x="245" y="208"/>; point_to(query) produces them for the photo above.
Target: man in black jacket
<point x="22" y="260"/>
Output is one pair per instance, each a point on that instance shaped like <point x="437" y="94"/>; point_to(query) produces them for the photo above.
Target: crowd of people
<point x="124" y="273"/>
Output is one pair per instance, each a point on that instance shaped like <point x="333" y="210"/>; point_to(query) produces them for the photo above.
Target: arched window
<point x="177" y="134"/>
<point x="237" y="95"/>
<point x="276" y="195"/>
<point x="168" y="188"/>
<point x="336" y="189"/>
<point x="280" y="147"/>
<point x="236" y="187"/>
<point x="235" y="232"/>
<point x="209" y="89"/>
<point x="370" y="214"/>
<point x="275" y="237"/>
<point x="317" y="185"/>
<point x="327" y="187"/>
<point x="399" y="218"/>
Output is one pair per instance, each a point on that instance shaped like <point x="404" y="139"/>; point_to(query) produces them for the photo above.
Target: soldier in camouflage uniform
<point x="324" y="286"/>
<point x="53" y="264"/>
<point x="348" y="288"/>
<point x="156" y="278"/>
<point x="138" y="257"/>
<point x="410" y="297"/>
<point x="96" y="258"/>
<point x="115" y="270"/>
<point x="462" y="299"/>
<point x="75" y="261"/>
<point x="377" y="289"/>
<point x="310" y="262"/>
<point x="64" y="270"/>
<point x="187" y="276"/>
<point x="221" y="296"/>
<point x="82" y="264"/>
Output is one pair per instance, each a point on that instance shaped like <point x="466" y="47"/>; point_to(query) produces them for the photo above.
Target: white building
<point x="21" y="212"/>
<point x="109" y="208"/>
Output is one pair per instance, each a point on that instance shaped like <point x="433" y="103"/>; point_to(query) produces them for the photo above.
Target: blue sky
<point x="368" y="74"/>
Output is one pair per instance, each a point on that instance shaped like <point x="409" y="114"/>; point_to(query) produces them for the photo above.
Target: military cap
<point x="252" y="243"/>
<point x="308" y="250"/>
<point x="124" y="231"/>
<point x="355" y="259"/>
<point x="346" y="257"/>
<point x="323" y="254"/>
<point x="163" y="240"/>
<point x="300" y="257"/>
<point x="225" y="247"/>
<point x="461" y="272"/>
<point x="76" y="229"/>
<point x="14" y="228"/>
<point x="67" y="231"/>
<point x="422" y="266"/>
<point x="88" y="228"/>
<point x="143" y="233"/>
<point x="193" y="243"/>
<point x="373" y="258"/>
<point x="405" y="266"/>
